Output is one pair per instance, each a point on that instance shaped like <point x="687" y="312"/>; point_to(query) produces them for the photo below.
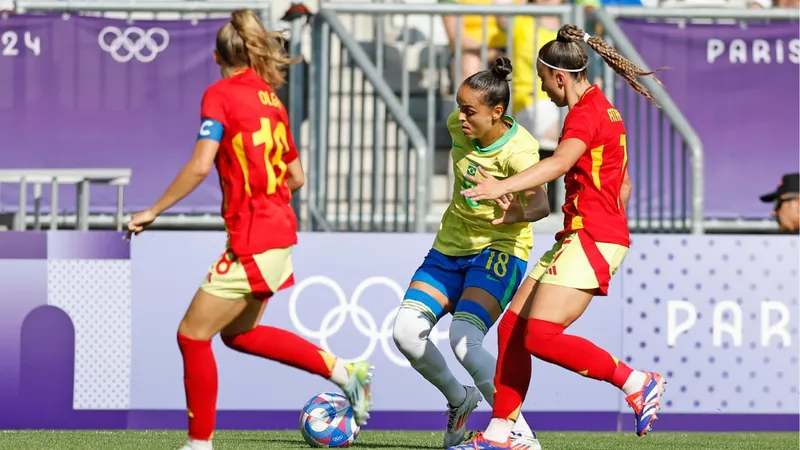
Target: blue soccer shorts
<point x="496" y="272"/>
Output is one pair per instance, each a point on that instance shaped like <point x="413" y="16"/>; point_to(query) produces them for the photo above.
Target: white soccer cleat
<point x="193" y="444"/>
<point x="457" y="417"/>
<point x="524" y="441"/>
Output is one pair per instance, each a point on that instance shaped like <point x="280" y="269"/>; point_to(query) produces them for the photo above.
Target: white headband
<point x="586" y="37"/>
<point x="559" y="68"/>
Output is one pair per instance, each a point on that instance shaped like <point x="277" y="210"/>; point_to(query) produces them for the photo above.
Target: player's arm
<point x="566" y="155"/>
<point x="625" y="191"/>
<point x="295" y="176"/>
<point x="534" y="206"/>
<point x="191" y="175"/>
<point x="578" y="131"/>
<point x="193" y="172"/>
<point x="537" y="205"/>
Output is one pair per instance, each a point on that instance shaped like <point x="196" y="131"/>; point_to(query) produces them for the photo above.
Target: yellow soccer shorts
<point x="578" y="262"/>
<point x="250" y="276"/>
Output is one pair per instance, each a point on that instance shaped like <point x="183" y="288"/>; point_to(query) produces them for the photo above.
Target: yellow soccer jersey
<point x="466" y="227"/>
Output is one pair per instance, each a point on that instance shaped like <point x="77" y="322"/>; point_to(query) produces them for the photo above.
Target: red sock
<point x="283" y="346"/>
<point x="200" y="381"/>
<point x="513" y="367"/>
<point x="547" y="341"/>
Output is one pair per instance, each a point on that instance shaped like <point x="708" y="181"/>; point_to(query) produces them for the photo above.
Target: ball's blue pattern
<point x="327" y="421"/>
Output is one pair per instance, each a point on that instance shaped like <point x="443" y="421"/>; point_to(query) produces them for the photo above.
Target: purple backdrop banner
<point x="88" y="333"/>
<point x="738" y="87"/>
<point x="84" y="92"/>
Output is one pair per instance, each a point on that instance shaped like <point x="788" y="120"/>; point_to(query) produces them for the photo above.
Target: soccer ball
<point x="327" y="421"/>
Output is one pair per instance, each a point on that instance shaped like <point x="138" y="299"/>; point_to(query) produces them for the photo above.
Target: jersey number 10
<point x="275" y="143"/>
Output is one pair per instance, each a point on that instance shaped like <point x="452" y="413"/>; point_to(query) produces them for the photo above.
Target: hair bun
<point x="570" y="33"/>
<point x="502" y="69"/>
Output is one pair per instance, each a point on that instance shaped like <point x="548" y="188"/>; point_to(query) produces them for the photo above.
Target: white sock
<point x="196" y="444"/>
<point x="634" y="383"/>
<point x="467" y="342"/>
<point x="499" y="430"/>
<point x="339" y="374"/>
<point x="411" y="331"/>
<point x="521" y="426"/>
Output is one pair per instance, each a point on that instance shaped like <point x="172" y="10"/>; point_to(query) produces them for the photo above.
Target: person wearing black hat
<point x="787" y="205"/>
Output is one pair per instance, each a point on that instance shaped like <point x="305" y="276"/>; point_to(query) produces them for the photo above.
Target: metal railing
<point x="367" y="175"/>
<point x="81" y="178"/>
<point x="665" y="146"/>
<point x="376" y="158"/>
<point x="83" y="218"/>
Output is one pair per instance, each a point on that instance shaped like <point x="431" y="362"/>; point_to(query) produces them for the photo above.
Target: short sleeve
<point x="212" y="106"/>
<point x="291" y="153"/>
<point x="580" y="124"/>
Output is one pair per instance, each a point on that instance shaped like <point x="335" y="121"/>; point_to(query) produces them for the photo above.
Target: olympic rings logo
<point x="362" y="320"/>
<point x="133" y="42"/>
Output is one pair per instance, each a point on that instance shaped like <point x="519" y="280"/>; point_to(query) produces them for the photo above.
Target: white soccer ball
<point x="327" y="421"/>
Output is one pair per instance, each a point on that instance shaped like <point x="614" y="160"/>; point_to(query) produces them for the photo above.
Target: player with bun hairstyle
<point x="479" y="255"/>
<point x="592" y="155"/>
<point x="245" y="133"/>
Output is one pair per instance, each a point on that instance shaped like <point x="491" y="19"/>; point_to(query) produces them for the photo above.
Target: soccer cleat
<point x="358" y="390"/>
<point x="193" y="444"/>
<point x="457" y="417"/>
<point x="521" y="441"/>
<point x="481" y="443"/>
<point x="647" y="402"/>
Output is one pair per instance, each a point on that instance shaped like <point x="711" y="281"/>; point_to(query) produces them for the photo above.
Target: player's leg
<point x="513" y="361"/>
<point x="491" y="283"/>
<point x="267" y="273"/>
<point x="582" y="270"/>
<point x="437" y="280"/>
<point x="205" y="317"/>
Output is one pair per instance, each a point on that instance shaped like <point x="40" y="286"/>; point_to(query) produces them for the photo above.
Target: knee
<point x="465" y="340"/>
<point x="539" y="336"/>
<point x="194" y="330"/>
<point x="231" y="340"/>
<point x="411" y="330"/>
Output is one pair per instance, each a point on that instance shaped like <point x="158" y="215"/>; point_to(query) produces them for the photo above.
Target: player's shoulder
<point x="521" y="141"/>
<point x="218" y="88"/>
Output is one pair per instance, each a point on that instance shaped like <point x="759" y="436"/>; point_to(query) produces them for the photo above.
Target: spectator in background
<point x="531" y="106"/>
<point x="787" y="204"/>
<point x="472" y="37"/>
<point x="6" y="5"/>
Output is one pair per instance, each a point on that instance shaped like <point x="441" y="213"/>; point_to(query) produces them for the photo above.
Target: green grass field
<point x="230" y="440"/>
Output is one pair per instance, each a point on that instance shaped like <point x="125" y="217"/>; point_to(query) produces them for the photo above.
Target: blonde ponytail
<point x="245" y="42"/>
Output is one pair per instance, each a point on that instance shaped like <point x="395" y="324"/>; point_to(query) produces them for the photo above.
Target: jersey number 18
<point x="275" y="143"/>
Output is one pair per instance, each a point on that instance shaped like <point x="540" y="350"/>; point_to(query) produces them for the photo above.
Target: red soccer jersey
<point x="255" y="148"/>
<point x="593" y="184"/>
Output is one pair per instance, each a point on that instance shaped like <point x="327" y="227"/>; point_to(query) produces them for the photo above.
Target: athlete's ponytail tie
<point x="586" y="37"/>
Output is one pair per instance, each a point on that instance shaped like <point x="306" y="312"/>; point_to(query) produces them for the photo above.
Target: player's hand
<point x="513" y="211"/>
<point x="139" y="222"/>
<point x="486" y="188"/>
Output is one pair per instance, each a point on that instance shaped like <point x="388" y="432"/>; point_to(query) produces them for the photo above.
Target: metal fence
<point x="368" y="159"/>
<point x="381" y="88"/>
<point x="372" y="168"/>
<point x="667" y="154"/>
